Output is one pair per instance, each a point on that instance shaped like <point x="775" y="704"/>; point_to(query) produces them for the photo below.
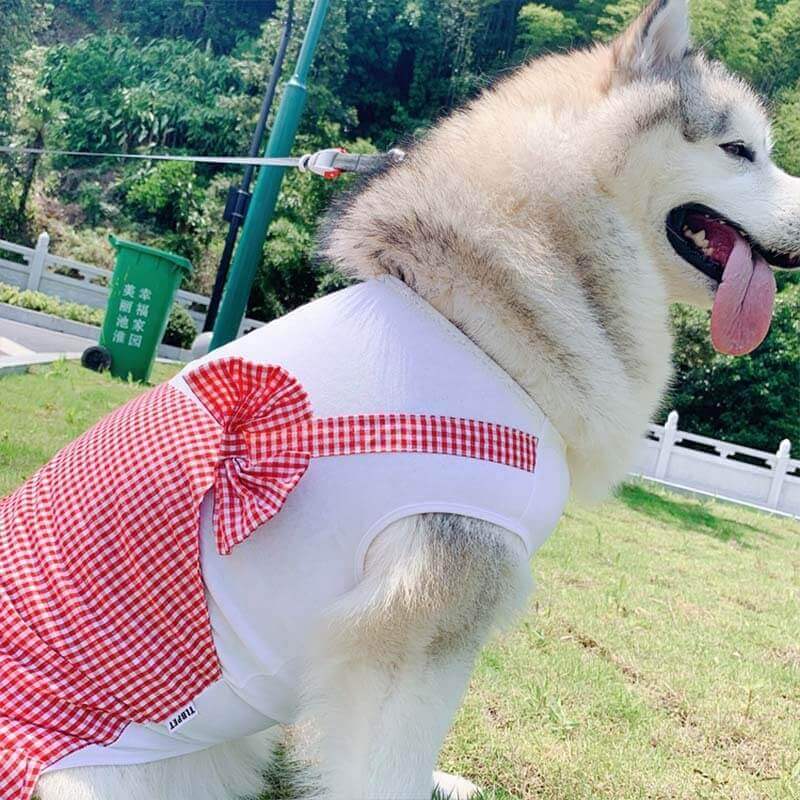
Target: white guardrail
<point x="39" y="270"/>
<point x="728" y="471"/>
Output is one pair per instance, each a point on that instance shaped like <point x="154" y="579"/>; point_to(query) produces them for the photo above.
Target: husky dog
<point x="553" y="220"/>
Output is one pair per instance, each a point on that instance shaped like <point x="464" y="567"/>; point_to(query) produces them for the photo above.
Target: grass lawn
<point x="42" y="411"/>
<point x="660" y="657"/>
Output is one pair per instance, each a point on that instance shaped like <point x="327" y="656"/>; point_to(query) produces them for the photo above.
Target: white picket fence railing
<point x="42" y="271"/>
<point x="729" y="471"/>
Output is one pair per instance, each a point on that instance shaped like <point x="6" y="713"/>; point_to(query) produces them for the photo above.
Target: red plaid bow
<point x="249" y="399"/>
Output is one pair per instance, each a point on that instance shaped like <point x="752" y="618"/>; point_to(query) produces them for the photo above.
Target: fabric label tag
<point x="179" y="719"/>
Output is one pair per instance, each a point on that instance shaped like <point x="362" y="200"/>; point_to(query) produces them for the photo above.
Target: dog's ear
<point x="655" y="42"/>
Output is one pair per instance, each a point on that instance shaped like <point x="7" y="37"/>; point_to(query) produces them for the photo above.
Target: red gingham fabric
<point x="102" y="614"/>
<point x="103" y="620"/>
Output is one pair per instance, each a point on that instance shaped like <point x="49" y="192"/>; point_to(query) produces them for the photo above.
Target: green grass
<point x="42" y="411"/>
<point x="659" y="659"/>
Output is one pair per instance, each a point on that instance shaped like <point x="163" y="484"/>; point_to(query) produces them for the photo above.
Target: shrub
<point x="181" y="329"/>
<point x="169" y="194"/>
<point x="119" y="92"/>
<point x="90" y="196"/>
<point x="38" y="301"/>
<point x="169" y="197"/>
<point x="541" y="28"/>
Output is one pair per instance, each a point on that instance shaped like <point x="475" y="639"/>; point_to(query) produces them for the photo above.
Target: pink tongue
<point x="743" y="304"/>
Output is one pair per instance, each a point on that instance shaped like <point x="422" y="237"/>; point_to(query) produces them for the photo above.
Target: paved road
<point x="39" y="340"/>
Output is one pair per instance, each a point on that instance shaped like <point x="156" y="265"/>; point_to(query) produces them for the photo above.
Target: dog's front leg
<point x="387" y="673"/>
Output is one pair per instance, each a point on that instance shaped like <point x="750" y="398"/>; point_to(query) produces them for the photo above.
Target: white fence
<point x="733" y="472"/>
<point x="39" y="270"/>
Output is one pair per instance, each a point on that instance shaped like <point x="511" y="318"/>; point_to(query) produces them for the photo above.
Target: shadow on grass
<point x="283" y="780"/>
<point x="686" y="514"/>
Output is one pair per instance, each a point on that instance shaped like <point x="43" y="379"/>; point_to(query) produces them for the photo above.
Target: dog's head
<point x="698" y="180"/>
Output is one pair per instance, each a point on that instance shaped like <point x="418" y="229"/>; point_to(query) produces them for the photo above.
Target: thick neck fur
<point x="513" y="219"/>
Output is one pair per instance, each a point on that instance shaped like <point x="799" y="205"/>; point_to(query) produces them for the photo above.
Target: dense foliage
<point x="187" y="75"/>
<point x="717" y="394"/>
<point x="134" y="94"/>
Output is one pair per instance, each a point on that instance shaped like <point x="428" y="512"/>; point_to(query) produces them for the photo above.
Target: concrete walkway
<point x="18" y="339"/>
<point x="22" y="346"/>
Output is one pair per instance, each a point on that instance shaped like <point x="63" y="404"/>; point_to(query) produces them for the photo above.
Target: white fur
<point x="232" y="770"/>
<point x="453" y="787"/>
<point x="667" y="38"/>
<point x="385" y="679"/>
<point x="535" y="222"/>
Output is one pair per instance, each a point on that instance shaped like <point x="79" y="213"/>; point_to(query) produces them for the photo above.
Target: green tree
<point x="786" y="130"/>
<point x="730" y="30"/>
<point x="222" y="24"/>
<point x="326" y="102"/>
<point x="288" y="275"/>
<point x="778" y="48"/>
<point x="541" y="29"/>
<point x="34" y="116"/>
<point x="20" y="19"/>
<point x="615" y="17"/>
<point x="169" y="197"/>
<point x="117" y="92"/>
<point x="751" y="400"/>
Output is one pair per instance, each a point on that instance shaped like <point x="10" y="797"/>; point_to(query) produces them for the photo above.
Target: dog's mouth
<point x="704" y="237"/>
<point x="723" y="251"/>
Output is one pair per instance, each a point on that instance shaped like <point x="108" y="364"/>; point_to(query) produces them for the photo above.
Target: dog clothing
<point x="161" y="577"/>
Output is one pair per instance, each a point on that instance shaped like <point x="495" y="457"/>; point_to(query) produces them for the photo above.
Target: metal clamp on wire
<point x="321" y="162"/>
<point x="332" y="162"/>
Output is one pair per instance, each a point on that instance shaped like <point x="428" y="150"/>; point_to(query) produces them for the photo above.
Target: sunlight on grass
<point x="659" y="658"/>
<point x="40" y="412"/>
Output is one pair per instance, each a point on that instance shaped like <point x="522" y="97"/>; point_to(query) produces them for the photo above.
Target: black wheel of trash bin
<point x="97" y="358"/>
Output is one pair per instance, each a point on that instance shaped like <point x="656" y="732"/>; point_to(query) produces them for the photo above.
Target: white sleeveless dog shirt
<point x="374" y="347"/>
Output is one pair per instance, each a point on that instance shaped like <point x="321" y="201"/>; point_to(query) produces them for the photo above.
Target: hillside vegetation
<point x="187" y="76"/>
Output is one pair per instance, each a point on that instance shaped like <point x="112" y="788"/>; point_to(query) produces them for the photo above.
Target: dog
<point x="553" y="220"/>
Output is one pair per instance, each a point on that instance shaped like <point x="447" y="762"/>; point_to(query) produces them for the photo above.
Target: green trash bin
<point x="143" y="289"/>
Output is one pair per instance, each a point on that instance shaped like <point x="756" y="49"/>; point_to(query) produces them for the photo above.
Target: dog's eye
<point x="739" y="150"/>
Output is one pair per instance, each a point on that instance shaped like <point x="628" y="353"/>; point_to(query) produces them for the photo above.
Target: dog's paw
<point x="453" y="787"/>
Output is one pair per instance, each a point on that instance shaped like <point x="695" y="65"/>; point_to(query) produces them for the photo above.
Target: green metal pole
<point x="265" y="195"/>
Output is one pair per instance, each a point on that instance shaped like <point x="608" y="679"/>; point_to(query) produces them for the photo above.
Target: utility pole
<point x="262" y="205"/>
<point x="238" y="199"/>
